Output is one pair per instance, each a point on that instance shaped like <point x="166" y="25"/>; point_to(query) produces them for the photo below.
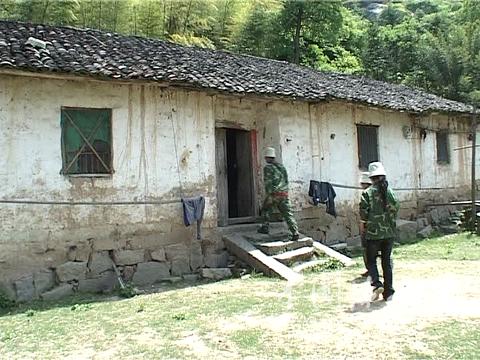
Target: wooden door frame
<point x="222" y="183"/>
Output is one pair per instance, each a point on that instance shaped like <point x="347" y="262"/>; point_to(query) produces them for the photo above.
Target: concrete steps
<point x="293" y="256"/>
<point x="277" y="247"/>
<point x="272" y="254"/>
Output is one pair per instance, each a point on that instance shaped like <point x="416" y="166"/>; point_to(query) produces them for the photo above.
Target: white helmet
<point x="269" y="152"/>
<point x="376" y="169"/>
<point x="364" y="179"/>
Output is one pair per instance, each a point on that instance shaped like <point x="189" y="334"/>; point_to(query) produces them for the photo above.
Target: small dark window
<point x="367" y="137"/>
<point x="443" y="156"/>
<point x="86" y="141"/>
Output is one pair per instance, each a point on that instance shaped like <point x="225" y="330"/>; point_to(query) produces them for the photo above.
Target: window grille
<point x="443" y="153"/>
<point x="86" y="141"/>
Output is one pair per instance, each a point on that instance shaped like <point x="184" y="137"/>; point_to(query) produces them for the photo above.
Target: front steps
<point x="274" y="254"/>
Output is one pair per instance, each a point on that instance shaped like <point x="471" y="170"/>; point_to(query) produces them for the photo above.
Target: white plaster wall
<point x="144" y="119"/>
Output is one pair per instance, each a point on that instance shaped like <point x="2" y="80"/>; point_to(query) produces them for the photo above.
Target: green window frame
<point x="86" y="141"/>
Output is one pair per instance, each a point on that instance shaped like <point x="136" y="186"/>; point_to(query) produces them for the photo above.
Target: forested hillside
<point x="433" y="44"/>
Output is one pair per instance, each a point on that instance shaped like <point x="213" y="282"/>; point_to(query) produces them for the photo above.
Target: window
<point x="443" y="156"/>
<point x="86" y="141"/>
<point x="367" y="137"/>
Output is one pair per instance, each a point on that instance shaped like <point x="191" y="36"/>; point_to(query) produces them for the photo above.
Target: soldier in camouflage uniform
<point x="276" y="194"/>
<point x="378" y="211"/>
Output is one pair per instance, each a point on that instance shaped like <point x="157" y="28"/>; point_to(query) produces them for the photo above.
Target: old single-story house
<point x="103" y="134"/>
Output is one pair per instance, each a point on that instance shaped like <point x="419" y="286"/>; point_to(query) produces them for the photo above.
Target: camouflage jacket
<point x="275" y="178"/>
<point x="380" y="223"/>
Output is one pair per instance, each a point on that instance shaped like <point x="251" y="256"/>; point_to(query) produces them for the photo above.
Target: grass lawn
<point x="435" y="315"/>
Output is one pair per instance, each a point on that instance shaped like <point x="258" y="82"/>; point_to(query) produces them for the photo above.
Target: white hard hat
<point x="376" y="169"/>
<point x="269" y="152"/>
<point x="364" y="179"/>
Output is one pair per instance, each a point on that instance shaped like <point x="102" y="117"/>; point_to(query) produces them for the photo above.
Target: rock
<point x="58" y="293"/>
<point x="215" y="273"/>
<point x="158" y="255"/>
<point x="215" y="260"/>
<point x="196" y="257"/>
<point x="129" y="257"/>
<point x="43" y="280"/>
<point x="150" y="272"/>
<point x="407" y="231"/>
<point x="435" y="216"/>
<point x="99" y="263"/>
<point x="71" y="271"/>
<point x="103" y="283"/>
<point x="190" y="277"/>
<point x="7" y="289"/>
<point x="336" y="233"/>
<point x="180" y="267"/>
<point x="425" y="232"/>
<point x="449" y="229"/>
<point x="25" y="290"/>
<point x="354" y="242"/>
<point x="104" y="244"/>
<point x="421" y="223"/>
<point x="176" y="251"/>
<point x="127" y="273"/>
<point x="79" y="252"/>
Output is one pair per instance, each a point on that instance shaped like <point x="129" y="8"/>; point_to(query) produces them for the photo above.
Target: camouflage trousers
<point x="282" y="203"/>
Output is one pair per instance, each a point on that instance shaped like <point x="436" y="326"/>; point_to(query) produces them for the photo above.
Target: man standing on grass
<point x="378" y="211"/>
<point x="276" y="194"/>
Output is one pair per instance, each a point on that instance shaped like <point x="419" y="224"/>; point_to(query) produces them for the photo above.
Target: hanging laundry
<point x="323" y="193"/>
<point x="193" y="209"/>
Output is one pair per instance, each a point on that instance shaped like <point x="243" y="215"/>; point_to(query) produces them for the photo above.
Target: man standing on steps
<point x="276" y="194"/>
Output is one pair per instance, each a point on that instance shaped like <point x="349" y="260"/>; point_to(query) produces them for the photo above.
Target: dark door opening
<point x="239" y="174"/>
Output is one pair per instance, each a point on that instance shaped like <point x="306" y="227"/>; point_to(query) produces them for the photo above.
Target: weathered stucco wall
<point x="144" y="119"/>
<point x="314" y="141"/>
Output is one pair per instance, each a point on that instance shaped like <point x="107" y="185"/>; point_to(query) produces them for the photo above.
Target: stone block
<point x="129" y="257"/>
<point x="336" y="233"/>
<point x="421" y="223"/>
<point x="190" y="277"/>
<point x="99" y="263"/>
<point x="43" y="280"/>
<point x="127" y="273"/>
<point x="7" y="289"/>
<point x="407" y="231"/>
<point x="103" y="283"/>
<point x="176" y="251"/>
<point x="58" y="293"/>
<point x="71" y="271"/>
<point x="25" y="290"/>
<point x="354" y="242"/>
<point x="79" y="252"/>
<point x="196" y="256"/>
<point x="215" y="273"/>
<point x="435" y="216"/>
<point x="180" y="267"/>
<point x="216" y="260"/>
<point x="107" y="243"/>
<point x="158" y="255"/>
<point x="150" y="272"/>
<point x="425" y="232"/>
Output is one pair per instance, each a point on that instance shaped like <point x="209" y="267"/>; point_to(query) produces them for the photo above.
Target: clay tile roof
<point x="112" y="56"/>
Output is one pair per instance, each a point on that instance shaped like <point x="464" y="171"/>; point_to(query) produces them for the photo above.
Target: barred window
<point x="443" y="151"/>
<point x="367" y="139"/>
<point x="86" y="141"/>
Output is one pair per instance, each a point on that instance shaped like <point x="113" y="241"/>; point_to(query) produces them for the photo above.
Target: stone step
<point x="308" y="265"/>
<point x="339" y="246"/>
<point x="296" y="255"/>
<point x="244" y="250"/>
<point x="277" y="247"/>
<point x="322" y="249"/>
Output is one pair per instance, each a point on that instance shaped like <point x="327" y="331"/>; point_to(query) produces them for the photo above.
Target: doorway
<point x="235" y="192"/>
